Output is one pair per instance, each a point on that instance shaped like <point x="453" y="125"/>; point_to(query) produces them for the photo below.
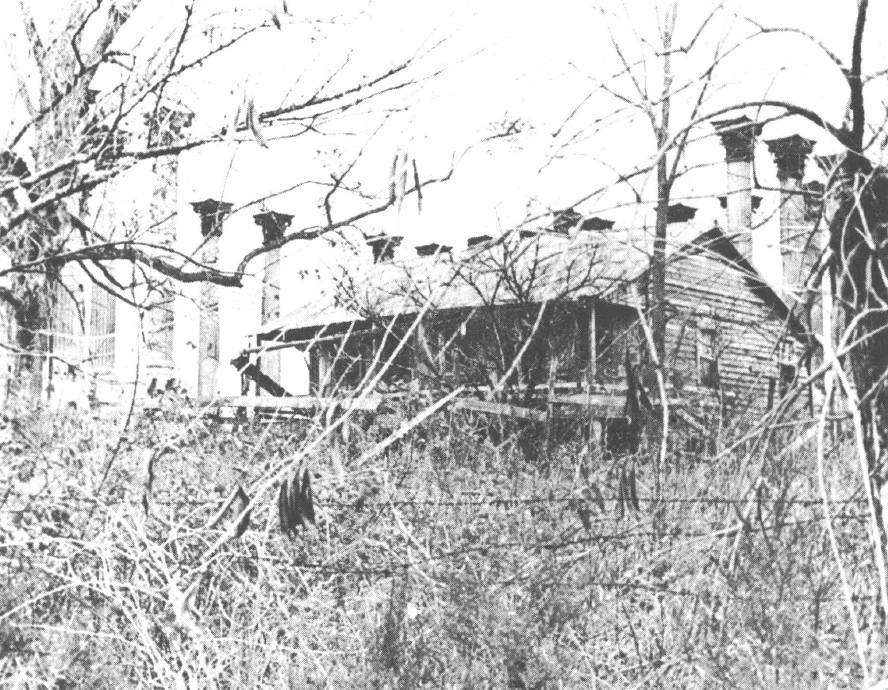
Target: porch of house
<point x="580" y="372"/>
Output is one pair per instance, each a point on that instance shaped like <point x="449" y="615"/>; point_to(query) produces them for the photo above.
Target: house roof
<point x="508" y="270"/>
<point x="511" y="270"/>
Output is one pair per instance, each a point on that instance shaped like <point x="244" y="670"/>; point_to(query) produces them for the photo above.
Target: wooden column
<point x="593" y="348"/>
<point x="798" y="247"/>
<point x="738" y="136"/>
<point x="273" y="225"/>
<point x="212" y="214"/>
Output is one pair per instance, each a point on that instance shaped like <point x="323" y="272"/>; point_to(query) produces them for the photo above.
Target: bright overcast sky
<point x="534" y="61"/>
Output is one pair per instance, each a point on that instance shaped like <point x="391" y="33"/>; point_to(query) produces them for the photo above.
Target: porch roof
<point x="509" y="270"/>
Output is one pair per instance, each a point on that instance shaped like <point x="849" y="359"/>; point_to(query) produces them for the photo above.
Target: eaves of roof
<point x="717" y="243"/>
<point x="505" y="271"/>
<point x="512" y="270"/>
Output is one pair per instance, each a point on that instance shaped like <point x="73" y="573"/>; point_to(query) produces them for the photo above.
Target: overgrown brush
<point x="450" y="559"/>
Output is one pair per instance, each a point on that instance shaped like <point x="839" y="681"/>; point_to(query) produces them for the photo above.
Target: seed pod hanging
<point x="307" y="501"/>
<point x="283" y="508"/>
<point x="242" y="502"/>
<point x="294" y="504"/>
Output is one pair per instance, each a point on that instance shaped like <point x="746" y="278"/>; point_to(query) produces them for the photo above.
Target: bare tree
<point x="657" y="108"/>
<point x="854" y="210"/>
<point x="70" y="140"/>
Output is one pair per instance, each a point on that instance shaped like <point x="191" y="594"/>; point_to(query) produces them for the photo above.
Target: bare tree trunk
<point x="857" y="234"/>
<point x="59" y="116"/>
<point x="32" y="342"/>
<point x="664" y="184"/>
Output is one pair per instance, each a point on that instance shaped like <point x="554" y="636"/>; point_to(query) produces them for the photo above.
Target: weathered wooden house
<point x="536" y="317"/>
<point x="552" y="317"/>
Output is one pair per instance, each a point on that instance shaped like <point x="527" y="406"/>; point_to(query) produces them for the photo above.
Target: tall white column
<point x="273" y="226"/>
<point x="212" y="215"/>
<point x="738" y="137"/>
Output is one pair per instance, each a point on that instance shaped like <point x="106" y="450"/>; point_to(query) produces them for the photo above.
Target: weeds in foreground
<point x="447" y="561"/>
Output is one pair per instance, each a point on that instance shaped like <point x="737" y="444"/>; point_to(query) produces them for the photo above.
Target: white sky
<point x="536" y="61"/>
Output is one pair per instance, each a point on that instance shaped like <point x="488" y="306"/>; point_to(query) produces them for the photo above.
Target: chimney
<point x="383" y="247"/>
<point x="212" y="214"/>
<point x="478" y="239"/>
<point x="799" y="247"/>
<point x="679" y="213"/>
<point x="738" y="137"/>
<point x="596" y="223"/>
<point x="432" y="249"/>
<point x="565" y="220"/>
<point x="273" y="226"/>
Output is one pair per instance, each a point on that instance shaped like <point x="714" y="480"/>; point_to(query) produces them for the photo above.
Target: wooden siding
<point x="587" y="339"/>
<point x="704" y="292"/>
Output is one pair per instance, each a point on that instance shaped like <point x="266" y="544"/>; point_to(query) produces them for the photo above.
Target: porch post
<point x="273" y="226"/>
<point x="212" y="214"/>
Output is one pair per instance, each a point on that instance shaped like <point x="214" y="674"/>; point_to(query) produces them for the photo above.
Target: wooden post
<point x="738" y="136"/>
<point x="212" y="215"/>
<point x="798" y="248"/>
<point x="593" y="348"/>
<point x="273" y="225"/>
<point x="550" y="403"/>
<point x="592" y="434"/>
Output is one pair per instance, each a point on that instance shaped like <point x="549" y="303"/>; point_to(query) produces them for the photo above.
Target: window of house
<point x="707" y="356"/>
<point x="787" y="364"/>
<point x="460" y="348"/>
<point x="353" y="359"/>
<point x="340" y="364"/>
<point x="385" y="347"/>
<point x="615" y="333"/>
<point x="102" y="328"/>
<point x="439" y="341"/>
<point x="68" y="321"/>
<point x="568" y="343"/>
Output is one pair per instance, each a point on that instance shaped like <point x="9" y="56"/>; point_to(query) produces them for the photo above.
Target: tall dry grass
<point x="455" y="558"/>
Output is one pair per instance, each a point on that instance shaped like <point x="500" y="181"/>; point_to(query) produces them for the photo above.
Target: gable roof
<point x="716" y="242"/>
<point x="511" y="270"/>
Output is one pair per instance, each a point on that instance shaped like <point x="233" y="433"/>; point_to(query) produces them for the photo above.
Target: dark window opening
<point x="568" y="336"/>
<point x="399" y="362"/>
<point x="341" y="365"/>
<point x="615" y="332"/>
<point x="787" y="376"/>
<point x="477" y="348"/>
<point x="707" y="357"/>
<point x="787" y="364"/>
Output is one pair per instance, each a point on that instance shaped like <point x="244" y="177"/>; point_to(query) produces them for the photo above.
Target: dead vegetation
<point x="451" y="559"/>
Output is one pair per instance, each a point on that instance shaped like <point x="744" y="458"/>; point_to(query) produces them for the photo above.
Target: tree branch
<point x="855" y="80"/>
